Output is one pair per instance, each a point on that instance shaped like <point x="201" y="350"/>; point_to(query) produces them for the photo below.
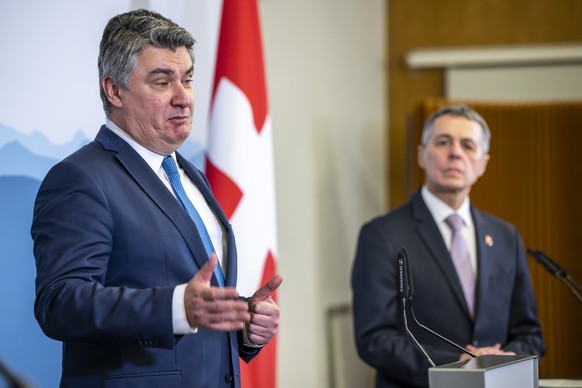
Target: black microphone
<point x="404" y="295"/>
<point x="410" y="293"/>
<point x="550" y="265"/>
<point x="555" y="269"/>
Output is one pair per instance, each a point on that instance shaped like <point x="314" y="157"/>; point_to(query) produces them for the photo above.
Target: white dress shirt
<point x="440" y="211"/>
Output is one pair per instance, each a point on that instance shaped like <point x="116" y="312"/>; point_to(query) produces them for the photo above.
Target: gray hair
<point x="126" y="35"/>
<point x="458" y="110"/>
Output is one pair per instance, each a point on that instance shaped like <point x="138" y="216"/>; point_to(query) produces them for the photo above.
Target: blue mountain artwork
<point x="24" y="161"/>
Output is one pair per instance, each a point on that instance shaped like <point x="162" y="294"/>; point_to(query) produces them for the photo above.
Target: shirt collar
<point x="440" y="210"/>
<point x="154" y="160"/>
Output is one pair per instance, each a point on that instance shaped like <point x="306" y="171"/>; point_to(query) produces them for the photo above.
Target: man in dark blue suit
<point x="124" y="278"/>
<point x="486" y="305"/>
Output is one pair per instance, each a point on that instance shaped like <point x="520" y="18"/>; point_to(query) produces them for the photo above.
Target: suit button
<point x="228" y="377"/>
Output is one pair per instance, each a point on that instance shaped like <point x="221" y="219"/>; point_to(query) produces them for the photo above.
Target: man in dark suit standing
<point x="469" y="272"/>
<point x="136" y="262"/>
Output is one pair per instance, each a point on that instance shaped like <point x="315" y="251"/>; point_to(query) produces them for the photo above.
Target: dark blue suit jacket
<point x="111" y="242"/>
<point x="505" y="306"/>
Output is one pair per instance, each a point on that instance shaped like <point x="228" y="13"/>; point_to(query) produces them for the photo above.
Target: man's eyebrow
<point x="161" y="70"/>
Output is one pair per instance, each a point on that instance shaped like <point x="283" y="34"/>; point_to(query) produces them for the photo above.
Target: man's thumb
<point x="205" y="273"/>
<point x="265" y="292"/>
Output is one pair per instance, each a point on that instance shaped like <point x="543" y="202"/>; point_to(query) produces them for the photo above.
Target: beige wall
<point x="326" y="76"/>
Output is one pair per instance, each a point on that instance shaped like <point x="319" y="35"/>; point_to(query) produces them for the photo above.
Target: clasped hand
<point x="221" y="309"/>
<point x="495" y="349"/>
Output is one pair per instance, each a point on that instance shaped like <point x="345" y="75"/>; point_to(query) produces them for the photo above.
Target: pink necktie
<point x="461" y="259"/>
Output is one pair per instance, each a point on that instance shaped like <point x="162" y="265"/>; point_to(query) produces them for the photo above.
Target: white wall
<point x="549" y="82"/>
<point x="325" y="63"/>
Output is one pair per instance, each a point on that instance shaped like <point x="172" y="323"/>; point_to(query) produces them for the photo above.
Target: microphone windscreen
<point x="402" y="277"/>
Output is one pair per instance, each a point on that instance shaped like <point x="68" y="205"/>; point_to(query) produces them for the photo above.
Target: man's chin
<point x="182" y="132"/>
<point x="451" y="188"/>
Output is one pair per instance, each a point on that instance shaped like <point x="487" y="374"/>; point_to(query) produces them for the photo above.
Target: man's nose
<point x="182" y="96"/>
<point x="455" y="149"/>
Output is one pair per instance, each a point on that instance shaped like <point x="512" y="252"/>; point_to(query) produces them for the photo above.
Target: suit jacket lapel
<point x="432" y="238"/>
<point x="484" y="239"/>
<point x="156" y="190"/>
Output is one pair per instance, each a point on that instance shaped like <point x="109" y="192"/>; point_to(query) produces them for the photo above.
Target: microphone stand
<point x="410" y="294"/>
<point x="404" y="292"/>
<point x="555" y="269"/>
<point x="418" y="345"/>
<point x="438" y="335"/>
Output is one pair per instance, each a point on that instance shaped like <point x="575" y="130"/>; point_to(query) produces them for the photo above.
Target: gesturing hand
<point x="213" y="307"/>
<point x="264" y="313"/>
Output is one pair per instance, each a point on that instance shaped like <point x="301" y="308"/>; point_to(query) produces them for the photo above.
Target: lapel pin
<point x="488" y="240"/>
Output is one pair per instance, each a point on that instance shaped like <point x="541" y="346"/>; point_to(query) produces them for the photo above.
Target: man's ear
<point x="420" y="156"/>
<point x="112" y="91"/>
<point x="483" y="165"/>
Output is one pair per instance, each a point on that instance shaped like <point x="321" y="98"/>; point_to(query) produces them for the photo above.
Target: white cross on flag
<point x="239" y="162"/>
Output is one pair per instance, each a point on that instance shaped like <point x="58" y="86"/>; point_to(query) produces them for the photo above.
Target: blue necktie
<point x="171" y="170"/>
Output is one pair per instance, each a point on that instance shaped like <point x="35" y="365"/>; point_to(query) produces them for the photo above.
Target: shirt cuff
<point x="247" y="342"/>
<point x="179" y="320"/>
